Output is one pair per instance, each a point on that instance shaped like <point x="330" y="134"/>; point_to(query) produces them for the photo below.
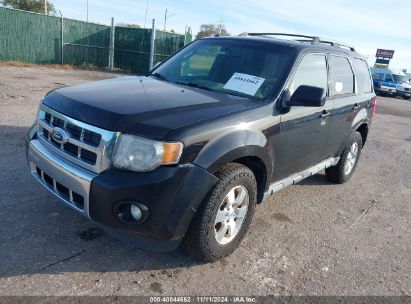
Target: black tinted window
<point x="342" y="79"/>
<point x="312" y="71"/>
<point x="388" y="77"/>
<point x="363" y="76"/>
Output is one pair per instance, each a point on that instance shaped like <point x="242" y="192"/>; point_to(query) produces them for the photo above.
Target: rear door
<point x="364" y="88"/>
<point x="304" y="130"/>
<point x="346" y="101"/>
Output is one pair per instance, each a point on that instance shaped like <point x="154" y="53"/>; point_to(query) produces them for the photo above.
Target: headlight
<point x="142" y="155"/>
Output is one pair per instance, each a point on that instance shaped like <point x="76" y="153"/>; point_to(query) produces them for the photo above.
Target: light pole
<point x="87" y="10"/>
<point x="145" y="16"/>
<point x="165" y="18"/>
<point x="220" y="26"/>
<point x="45" y="7"/>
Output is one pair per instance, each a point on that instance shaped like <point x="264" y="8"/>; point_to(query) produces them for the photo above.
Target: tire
<point x="339" y="173"/>
<point x="201" y="237"/>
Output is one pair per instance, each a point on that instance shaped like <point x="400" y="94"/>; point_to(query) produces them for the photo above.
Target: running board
<point x="297" y="177"/>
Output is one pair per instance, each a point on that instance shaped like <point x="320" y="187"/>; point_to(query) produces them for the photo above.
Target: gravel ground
<point x="314" y="238"/>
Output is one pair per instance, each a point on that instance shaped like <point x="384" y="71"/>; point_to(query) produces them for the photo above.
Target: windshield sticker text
<point x="244" y="83"/>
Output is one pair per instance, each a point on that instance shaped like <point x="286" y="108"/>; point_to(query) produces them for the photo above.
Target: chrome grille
<point x="87" y="146"/>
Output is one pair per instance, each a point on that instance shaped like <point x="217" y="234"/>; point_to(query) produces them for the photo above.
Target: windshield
<point x="377" y="76"/>
<point x="400" y="78"/>
<point x="236" y="67"/>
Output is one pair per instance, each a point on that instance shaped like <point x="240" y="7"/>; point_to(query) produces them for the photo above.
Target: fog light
<point x="131" y="212"/>
<point x="136" y="212"/>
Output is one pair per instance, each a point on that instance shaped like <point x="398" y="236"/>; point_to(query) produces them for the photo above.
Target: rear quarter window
<point x="342" y="77"/>
<point x="363" y="76"/>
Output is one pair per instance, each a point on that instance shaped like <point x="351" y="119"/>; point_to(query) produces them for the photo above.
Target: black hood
<point x="142" y="105"/>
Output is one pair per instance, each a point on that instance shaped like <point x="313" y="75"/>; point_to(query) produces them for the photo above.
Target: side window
<point x="312" y="71"/>
<point x="388" y="78"/>
<point x="342" y="77"/>
<point x="363" y="76"/>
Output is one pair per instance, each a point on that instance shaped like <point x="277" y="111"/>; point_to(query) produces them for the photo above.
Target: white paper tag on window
<point x="243" y="83"/>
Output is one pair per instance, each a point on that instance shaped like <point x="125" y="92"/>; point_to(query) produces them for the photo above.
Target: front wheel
<point x="222" y="221"/>
<point x="345" y="168"/>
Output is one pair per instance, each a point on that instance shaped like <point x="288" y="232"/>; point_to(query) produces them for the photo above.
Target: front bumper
<point x="386" y="90"/>
<point x="172" y="194"/>
<point x="65" y="180"/>
<point x="404" y="93"/>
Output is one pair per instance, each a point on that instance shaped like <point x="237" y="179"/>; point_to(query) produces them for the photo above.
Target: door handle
<point x="356" y="107"/>
<point x="325" y="114"/>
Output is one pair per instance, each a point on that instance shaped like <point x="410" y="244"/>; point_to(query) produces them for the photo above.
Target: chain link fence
<point x="36" y="38"/>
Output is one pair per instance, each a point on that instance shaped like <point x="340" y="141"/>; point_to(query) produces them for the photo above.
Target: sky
<point x="365" y="24"/>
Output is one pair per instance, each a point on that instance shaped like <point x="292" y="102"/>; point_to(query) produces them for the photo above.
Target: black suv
<point x="184" y="154"/>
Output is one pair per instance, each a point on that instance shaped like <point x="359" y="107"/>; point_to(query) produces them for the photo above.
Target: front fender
<point x="234" y="145"/>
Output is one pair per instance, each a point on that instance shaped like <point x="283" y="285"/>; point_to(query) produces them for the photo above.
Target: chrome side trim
<point x="297" y="177"/>
<point x="67" y="174"/>
<point x="104" y="150"/>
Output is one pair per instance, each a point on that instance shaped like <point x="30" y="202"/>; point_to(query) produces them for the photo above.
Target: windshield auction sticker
<point x="243" y="83"/>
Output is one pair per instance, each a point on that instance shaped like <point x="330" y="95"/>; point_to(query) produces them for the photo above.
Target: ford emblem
<point x="59" y="136"/>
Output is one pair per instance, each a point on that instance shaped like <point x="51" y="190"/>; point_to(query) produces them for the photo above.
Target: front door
<point x="304" y="130"/>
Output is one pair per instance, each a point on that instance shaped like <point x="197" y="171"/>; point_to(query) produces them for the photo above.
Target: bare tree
<point x="207" y="30"/>
<point x="130" y="25"/>
<point x="36" y="6"/>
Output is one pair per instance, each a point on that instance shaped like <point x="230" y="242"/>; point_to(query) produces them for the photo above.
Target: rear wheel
<point x="223" y="220"/>
<point x="345" y="168"/>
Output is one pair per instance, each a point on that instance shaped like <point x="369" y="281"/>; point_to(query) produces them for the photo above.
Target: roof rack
<point x="312" y="39"/>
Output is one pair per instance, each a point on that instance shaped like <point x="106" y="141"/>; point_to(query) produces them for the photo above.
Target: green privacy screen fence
<point x="36" y="38"/>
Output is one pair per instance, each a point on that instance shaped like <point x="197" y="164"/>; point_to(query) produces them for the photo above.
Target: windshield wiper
<point x="199" y="86"/>
<point x="159" y="76"/>
<point x="194" y="85"/>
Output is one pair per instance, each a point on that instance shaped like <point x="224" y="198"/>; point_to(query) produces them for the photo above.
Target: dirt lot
<point x="314" y="238"/>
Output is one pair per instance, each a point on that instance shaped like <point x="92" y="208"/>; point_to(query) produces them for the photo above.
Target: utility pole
<point x="145" y="16"/>
<point x="185" y="35"/>
<point x="45" y="7"/>
<point x="220" y="23"/>
<point x="165" y="18"/>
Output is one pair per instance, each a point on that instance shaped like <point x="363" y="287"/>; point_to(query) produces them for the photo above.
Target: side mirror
<point x="307" y="96"/>
<point x="157" y="64"/>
